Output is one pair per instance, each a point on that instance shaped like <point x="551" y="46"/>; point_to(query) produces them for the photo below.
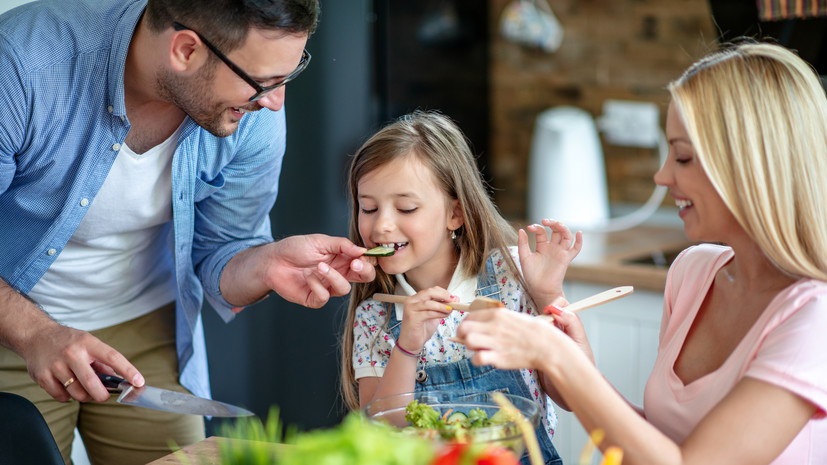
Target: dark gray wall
<point x="275" y="352"/>
<point x="371" y="63"/>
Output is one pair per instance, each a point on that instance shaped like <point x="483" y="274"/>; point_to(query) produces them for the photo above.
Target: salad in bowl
<point x="459" y="416"/>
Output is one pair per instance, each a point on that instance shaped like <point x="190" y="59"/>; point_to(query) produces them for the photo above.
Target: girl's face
<point x="704" y="214"/>
<point x="401" y="206"/>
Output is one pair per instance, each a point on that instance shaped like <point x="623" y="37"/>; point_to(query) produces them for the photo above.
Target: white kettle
<point x="567" y="176"/>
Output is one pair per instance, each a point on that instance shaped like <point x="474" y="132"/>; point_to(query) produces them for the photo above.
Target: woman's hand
<point x="423" y="313"/>
<point x="545" y="268"/>
<point x="509" y="340"/>
<point x="572" y="326"/>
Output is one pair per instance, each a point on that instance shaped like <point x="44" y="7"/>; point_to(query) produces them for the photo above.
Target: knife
<point x="168" y="401"/>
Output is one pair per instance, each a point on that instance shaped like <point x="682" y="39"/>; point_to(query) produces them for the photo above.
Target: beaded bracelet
<point x="408" y="353"/>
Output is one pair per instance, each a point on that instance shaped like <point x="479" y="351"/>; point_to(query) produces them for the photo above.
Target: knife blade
<point x="167" y="400"/>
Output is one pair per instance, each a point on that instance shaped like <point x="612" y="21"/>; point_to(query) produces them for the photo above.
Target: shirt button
<point x="110" y="108"/>
<point x="51" y="251"/>
<point x="122" y="118"/>
<point x="84" y="202"/>
<point x="116" y="147"/>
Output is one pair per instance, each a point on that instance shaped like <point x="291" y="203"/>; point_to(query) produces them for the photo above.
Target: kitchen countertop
<point x="201" y="453"/>
<point x="606" y="257"/>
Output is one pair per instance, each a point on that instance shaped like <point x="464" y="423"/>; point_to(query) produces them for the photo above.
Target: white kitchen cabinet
<point x="624" y="337"/>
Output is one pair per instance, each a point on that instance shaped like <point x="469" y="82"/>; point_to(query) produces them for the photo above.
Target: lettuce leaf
<point x="356" y="441"/>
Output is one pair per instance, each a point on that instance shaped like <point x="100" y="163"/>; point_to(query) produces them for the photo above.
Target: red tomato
<point x="451" y="454"/>
<point x="497" y="456"/>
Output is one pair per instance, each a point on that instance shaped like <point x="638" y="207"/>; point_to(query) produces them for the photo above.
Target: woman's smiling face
<point x="705" y="215"/>
<point x="402" y="206"/>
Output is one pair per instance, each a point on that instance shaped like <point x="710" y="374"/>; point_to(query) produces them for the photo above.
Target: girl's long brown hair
<point x="440" y="145"/>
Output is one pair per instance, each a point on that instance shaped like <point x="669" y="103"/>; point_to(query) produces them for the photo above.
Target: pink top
<point x="787" y="346"/>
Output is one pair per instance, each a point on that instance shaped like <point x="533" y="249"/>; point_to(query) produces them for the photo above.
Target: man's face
<point x="217" y="98"/>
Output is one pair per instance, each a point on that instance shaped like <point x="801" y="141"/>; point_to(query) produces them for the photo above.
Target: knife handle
<point x="111" y="382"/>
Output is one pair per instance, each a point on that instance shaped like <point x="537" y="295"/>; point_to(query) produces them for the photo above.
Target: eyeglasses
<point x="261" y="91"/>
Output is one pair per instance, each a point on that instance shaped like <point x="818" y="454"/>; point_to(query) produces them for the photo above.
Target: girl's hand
<point x="545" y="268"/>
<point x="423" y="312"/>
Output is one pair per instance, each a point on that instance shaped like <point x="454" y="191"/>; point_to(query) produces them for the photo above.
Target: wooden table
<point x="201" y="453"/>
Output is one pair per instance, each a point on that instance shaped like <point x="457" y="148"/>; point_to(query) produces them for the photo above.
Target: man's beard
<point x="192" y="96"/>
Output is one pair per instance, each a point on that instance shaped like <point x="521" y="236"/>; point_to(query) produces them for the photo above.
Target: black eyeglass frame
<point x="261" y="91"/>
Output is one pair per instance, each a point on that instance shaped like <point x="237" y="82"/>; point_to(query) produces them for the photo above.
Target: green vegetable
<point x="422" y="415"/>
<point x="259" y="438"/>
<point x="478" y="418"/>
<point x="499" y="418"/>
<point x="458" y="418"/>
<point x="380" y="252"/>
<point x="427" y="422"/>
<point x="356" y="441"/>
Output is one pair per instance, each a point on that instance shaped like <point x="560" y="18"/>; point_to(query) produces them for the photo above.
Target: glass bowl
<point x="391" y="410"/>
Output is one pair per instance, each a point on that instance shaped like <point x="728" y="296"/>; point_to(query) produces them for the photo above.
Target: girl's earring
<point x="454" y="234"/>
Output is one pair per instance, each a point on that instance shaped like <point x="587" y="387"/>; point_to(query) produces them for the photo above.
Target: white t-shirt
<point x="118" y="264"/>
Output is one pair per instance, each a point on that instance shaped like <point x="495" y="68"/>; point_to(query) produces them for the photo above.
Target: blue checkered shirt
<point x="62" y="94"/>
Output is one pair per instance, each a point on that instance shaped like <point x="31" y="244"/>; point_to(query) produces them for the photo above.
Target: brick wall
<point x="612" y="49"/>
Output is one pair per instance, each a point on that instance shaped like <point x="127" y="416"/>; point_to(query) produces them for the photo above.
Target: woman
<point x="741" y="373"/>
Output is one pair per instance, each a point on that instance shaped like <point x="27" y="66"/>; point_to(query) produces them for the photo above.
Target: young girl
<point x="415" y="187"/>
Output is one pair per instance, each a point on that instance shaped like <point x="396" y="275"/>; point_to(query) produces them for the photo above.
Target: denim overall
<point x="463" y="375"/>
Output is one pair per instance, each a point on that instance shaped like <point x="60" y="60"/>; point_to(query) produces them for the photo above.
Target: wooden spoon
<point x="588" y="302"/>
<point x="481" y="303"/>
<point x="595" y="300"/>
<point x="478" y="303"/>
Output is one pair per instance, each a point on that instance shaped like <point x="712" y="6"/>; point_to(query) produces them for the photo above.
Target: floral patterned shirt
<point x="373" y="341"/>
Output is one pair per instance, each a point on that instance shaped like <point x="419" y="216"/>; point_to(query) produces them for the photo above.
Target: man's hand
<point x="61" y="360"/>
<point x="64" y="361"/>
<point x="306" y="270"/>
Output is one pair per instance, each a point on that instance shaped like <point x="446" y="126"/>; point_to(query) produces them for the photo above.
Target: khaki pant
<point x="113" y="433"/>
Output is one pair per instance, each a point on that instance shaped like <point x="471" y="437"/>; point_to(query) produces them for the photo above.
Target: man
<point x="136" y="175"/>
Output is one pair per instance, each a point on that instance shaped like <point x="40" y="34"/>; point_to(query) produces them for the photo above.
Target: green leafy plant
<point x="355" y="440"/>
<point x="252" y="442"/>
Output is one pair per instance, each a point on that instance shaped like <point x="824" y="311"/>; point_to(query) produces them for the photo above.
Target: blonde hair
<point x="442" y="147"/>
<point x="756" y="114"/>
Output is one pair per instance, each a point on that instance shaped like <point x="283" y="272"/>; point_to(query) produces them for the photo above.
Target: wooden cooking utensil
<point x="583" y="304"/>
<point x="478" y="303"/>
<point x="487" y="302"/>
<point x="599" y="298"/>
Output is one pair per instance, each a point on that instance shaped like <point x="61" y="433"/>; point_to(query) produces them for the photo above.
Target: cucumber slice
<point x="380" y="252"/>
<point x="456" y="417"/>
